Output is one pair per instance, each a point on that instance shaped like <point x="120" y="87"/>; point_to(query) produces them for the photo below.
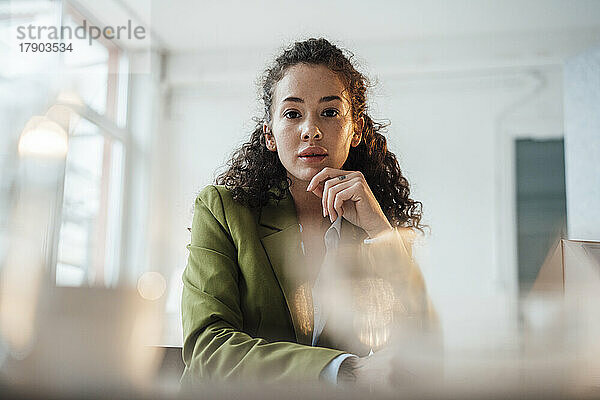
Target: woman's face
<point x="311" y="113"/>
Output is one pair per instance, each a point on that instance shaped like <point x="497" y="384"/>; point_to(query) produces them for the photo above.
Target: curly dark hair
<point x="255" y="175"/>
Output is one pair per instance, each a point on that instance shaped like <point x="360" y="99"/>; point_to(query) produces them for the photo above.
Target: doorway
<point x="541" y="203"/>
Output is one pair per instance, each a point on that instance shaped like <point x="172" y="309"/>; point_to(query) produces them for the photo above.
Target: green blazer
<point x="239" y="316"/>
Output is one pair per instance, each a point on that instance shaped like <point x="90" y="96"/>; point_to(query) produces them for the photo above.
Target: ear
<point x="269" y="138"/>
<point x="357" y="136"/>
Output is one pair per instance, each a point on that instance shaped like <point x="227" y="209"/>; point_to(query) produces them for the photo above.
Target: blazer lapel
<point x="281" y="241"/>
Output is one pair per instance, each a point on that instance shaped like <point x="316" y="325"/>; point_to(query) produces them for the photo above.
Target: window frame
<point x="108" y="127"/>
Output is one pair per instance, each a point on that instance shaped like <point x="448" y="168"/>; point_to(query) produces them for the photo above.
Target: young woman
<point x="315" y="162"/>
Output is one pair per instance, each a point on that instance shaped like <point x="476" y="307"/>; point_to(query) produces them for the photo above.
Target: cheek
<point x="341" y="127"/>
<point x="285" y="144"/>
<point x="343" y="131"/>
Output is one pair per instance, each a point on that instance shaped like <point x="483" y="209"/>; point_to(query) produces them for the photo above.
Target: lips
<point x="313" y="151"/>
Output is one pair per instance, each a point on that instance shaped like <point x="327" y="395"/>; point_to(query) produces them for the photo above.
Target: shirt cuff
<point x="381" y="237"/>
<point x="330" y="372"/>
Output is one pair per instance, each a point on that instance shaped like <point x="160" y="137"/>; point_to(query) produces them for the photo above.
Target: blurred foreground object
<point x="571" y="266"/>
<point x="33" y="224"/>
<point x="62" y="340"/>
<point x="90" y="339"/>
<point x="374" y="294"/>
<point x="543" y="345"/>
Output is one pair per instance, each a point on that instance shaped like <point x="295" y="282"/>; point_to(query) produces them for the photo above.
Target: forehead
<point x="308" y="82"/>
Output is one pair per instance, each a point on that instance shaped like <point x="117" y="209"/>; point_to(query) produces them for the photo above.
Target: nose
<point x="310" y="130"/>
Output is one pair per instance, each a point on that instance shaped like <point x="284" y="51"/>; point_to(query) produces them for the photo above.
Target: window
<point x="89" y="242"/>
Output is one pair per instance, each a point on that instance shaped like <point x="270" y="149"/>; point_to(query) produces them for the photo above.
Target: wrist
<point x="347" y="371"/>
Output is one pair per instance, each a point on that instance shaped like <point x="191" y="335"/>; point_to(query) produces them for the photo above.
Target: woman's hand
<point x="347" y="193"/>
<point x="392" y="369"/>
<point x="375" y="371"/>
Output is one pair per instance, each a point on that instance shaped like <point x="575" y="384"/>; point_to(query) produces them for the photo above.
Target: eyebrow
<point x="322" y="100"/>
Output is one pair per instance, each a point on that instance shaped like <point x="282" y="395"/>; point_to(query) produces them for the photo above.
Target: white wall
<point x="582" y="145"/>
<point x="446" y="131"/>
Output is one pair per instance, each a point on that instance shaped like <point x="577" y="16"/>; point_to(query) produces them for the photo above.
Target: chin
<point x="304" y="175"/>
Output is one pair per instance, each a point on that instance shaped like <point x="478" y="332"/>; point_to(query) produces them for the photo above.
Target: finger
<point x="326" y="185"/>
<point x="345" y="195"/>
<point x="318" y="191"/>
<point x="332" y="194"/>
<point x="322" y="175"/>
<point x="329" y="183"/>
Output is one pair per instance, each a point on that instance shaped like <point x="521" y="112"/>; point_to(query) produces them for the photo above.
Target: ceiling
<point x="190" y="25"/>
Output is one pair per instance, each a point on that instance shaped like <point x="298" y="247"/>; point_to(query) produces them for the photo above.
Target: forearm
<point x="222" y="353"/>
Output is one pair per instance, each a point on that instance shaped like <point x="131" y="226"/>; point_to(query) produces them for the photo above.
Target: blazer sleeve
<point x="215" y="347"/>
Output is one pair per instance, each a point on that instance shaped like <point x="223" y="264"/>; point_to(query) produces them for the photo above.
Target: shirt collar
<point x="333" y="234"/>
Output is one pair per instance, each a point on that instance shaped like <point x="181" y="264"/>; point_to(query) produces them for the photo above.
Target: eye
<point x="331" y="112"/>
<point x="291" y="114"/>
